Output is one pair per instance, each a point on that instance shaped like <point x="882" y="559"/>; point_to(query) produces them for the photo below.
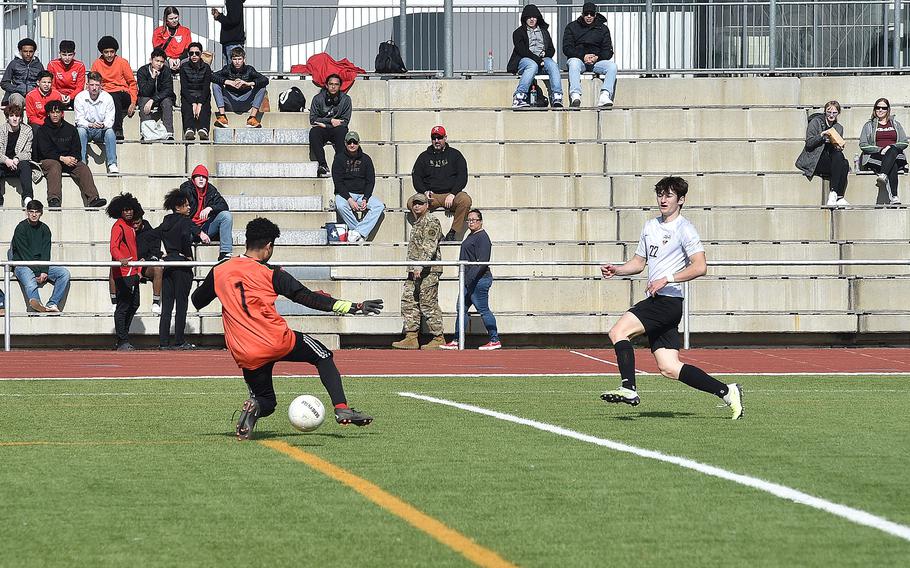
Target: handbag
<point x="152" y="130"/>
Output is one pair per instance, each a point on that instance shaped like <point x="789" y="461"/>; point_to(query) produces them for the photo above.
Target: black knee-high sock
<point x="625" y="359"/>
<point x="698" y="379"/>
<point x="331" y="380"/>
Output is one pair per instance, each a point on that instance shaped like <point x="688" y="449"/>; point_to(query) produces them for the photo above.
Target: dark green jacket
<point x="32" y="243"/>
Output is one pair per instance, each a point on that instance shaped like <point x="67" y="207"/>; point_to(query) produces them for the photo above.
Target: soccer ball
<point x="306" y="413"/>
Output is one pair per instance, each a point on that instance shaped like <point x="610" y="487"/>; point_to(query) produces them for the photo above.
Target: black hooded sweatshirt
<point x="177" y="232"/>
<point x="522" y="43"/>
<point x="580" y="39"/>
<point x="53" y="141"/>
<point x="445" y="171"/>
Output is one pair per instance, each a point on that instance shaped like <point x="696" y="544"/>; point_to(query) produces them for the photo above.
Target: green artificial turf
<point x="146" y="472"/>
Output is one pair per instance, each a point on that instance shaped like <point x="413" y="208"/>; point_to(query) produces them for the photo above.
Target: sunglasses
<point x="195" y="53"/>
<point x="881" y="108"/>
<point x="353" y="142"/>
<point x="436" y="137"/>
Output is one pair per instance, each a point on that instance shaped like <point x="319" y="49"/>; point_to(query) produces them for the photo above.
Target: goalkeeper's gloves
<point x="367" y="307"/>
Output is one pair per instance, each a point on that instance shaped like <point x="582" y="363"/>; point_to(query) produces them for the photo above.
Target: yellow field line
<point x="98" y="443"/>
<point x="449" y="537"/>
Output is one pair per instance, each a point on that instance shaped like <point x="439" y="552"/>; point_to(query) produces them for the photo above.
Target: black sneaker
<point x="203" y="134"/>
<point x="185" y="347"/>
<point x="127" y="346"/>
<point x="249" y="414"/>
<point x="322" y="171"/>
<point x="98" y="202"/>
<point x="352" y="416"/>
<point x="53" y="202"/>
<point x="189" y="134"/>
<point x="450" y="236"/>
<point x="224" y="256"/>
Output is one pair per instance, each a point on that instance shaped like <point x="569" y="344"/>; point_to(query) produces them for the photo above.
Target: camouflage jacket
<point x="424" y="243"/>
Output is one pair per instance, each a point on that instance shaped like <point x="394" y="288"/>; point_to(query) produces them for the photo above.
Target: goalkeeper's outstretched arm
<point x="291" y="288"/>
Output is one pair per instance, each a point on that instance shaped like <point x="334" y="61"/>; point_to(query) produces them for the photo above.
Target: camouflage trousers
<point x="422" y="297"/>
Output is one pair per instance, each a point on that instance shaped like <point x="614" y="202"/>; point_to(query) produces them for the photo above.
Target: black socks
<point x="698" y="379"/>
<point x="625" y="359"/>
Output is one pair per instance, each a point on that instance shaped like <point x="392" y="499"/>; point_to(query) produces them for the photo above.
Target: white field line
<point x="854" y="515"/>
<point x="598" y="359"/>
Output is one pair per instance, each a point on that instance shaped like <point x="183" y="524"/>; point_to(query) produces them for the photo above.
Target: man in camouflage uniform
<point x="420" y="294"/>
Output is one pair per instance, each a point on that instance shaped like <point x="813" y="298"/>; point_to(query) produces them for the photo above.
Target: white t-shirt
<point x="667" y="247"/>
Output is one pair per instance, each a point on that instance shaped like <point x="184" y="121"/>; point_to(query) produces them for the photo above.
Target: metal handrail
<point x="461" y="264"/>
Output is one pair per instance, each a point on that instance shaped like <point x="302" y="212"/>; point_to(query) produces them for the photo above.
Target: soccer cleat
<point x="345" y="416"/>
<point x="249" y="414"/>
<point x="734" y="400"/>
<point x="491" y="346"/>
<point x="623" y="395"/>
<point x="450" y="346"/>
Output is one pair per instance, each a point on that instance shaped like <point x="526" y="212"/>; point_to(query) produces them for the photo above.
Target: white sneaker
<point x="519" y="102"/>
<point x="25" y="201"/>
<point x="895" y="200"/>
<point x="52" y="308"/>
<point x="841" y="202"/>
<point x="113" y="308"/>
<point x="156" y="309"/>
<point x="113" y="169"/>
<point x="832" y="198"/>
<point x="575" y="100"/>
<point x="605" y="101"/>
<point x="354" y="237"/>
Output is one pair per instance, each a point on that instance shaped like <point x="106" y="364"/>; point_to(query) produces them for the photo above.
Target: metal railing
<point x="649" y="36"/>
<point x="6" y="265"/>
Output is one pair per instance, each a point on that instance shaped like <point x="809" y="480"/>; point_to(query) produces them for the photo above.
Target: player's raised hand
<point x="607" y="271"/>
<point x="368" y="307"/>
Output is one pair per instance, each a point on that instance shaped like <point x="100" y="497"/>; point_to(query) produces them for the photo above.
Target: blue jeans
<point x="527" y="68"/>
<point x="57" y="275"/>
<point x="375" y="207"/>
<point x="603" y="67"/>
<point x="479" y="298"/>
<point x="105" y="136"/>
<point x="241" y="103"/>
<point x="221" y="229"/>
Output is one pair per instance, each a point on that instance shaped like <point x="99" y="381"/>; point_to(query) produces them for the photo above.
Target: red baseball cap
<point x="438" y="131"/>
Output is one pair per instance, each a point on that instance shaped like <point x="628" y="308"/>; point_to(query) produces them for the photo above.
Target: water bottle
<point x="490" y="61"/>
<point x="533" y="98"/>
<point x="856" y="163"/>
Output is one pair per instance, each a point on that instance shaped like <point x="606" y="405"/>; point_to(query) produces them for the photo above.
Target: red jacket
<point x="34" y="105"/>
<point x="178" y="46"/>
<point x="123" y="245"/>
<point x="321" y="65"/>
<point x="68" y="80"/>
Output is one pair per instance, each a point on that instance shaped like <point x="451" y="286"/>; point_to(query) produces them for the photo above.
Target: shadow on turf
<point x="655" y="414"/>
<point x="268" y="434"/>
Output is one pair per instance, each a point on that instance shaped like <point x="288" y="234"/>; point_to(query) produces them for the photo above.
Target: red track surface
<point x="102" y="364"/>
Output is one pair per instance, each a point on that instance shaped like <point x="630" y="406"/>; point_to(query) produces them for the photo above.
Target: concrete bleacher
<point x="569" y="185"/>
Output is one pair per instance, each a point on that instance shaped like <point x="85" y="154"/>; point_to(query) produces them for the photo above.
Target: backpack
<point x="542" y="99"/>
<point x="388" y="60"/>
<point x="292" y="100"/>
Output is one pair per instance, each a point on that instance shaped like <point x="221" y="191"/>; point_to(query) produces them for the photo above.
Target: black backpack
<point x="388" y="60"/>
<point x="292" y="100"/>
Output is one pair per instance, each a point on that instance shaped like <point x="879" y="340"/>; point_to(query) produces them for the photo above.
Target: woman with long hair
<point x="173" y="38"/>
<point x="883" y="141"/>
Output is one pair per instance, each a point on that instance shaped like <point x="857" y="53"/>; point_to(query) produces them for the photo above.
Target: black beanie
<point x="589" y="7"/>
<point x="108" y="42"/>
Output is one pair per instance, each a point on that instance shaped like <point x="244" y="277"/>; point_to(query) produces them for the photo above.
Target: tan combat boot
<point x="409" y="341"/>
<point x="435" y="343"/>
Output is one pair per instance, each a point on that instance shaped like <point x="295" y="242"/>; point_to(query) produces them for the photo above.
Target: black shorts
<point x="661" y="316"/>
<point x="259" y="381"/>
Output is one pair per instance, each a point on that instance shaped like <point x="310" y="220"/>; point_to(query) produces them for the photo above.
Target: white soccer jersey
<point x="667" y="247"/>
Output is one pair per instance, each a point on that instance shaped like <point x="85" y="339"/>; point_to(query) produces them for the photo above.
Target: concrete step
<point x="262" y="204"/>
<point x="267" y="169"/>
<point x="261" y="136"/>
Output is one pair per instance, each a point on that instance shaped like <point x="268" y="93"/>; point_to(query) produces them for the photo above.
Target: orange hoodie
<point x="117" y="76"/>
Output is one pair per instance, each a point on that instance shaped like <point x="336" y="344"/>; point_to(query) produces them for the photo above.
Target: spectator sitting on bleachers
<point x="533" y="50"/>
<point x="330" y="115"/>
<point x="823" y="154"/>
<point x="173" y="38"/>
<point x="156" y="92"/>
<point x="118" y="80"/>
<point x="126" y="278"/>
<point x="354" y="178"/>
<point x="32" y="241"/>
<point x="883" y="141"/>
<point x="95" y="115"/>
<point x="196" y="95"/>
<point x="16" y="141"/>
<point x="68" y="72"/>
<point x="37" y="99"/>
<point x="441" y="173"/>
<point x="209" y="211"/>
<point x="238" y="87"/>
<point x="58" y="149"/>
<point x="21" y="75"/>
<point x="587" y="44"/>
<point x="233" y="32"/>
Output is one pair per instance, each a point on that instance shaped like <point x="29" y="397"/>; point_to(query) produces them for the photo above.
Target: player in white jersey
<point x="670" y="247"/>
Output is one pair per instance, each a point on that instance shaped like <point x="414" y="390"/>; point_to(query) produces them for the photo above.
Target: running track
<point x="105" y="364"/>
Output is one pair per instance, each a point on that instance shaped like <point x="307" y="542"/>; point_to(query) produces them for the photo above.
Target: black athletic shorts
<point x="661" y="316"/>
<point x="259" y="381"/>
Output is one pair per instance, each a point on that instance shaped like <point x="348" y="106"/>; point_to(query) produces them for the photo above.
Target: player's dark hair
<point x="174" y="199"/>
<point x="158" y="52"/>
<point x="121" y="203"/>
<point x="94" y="76"/>
<point x="67" y="46"/>
<point x="260" y="232"/>
<point x="477" y="212"/>
<point x="881" y="100"/>
<point x="238" y="52"/>
<point x="43" y="74"/>
<point x="12" y="110"/>
<point x="54" y="105"/>
<point x="168" y="11"/>
<point x="333" y="76"/>
<point x="676" y="184"/>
